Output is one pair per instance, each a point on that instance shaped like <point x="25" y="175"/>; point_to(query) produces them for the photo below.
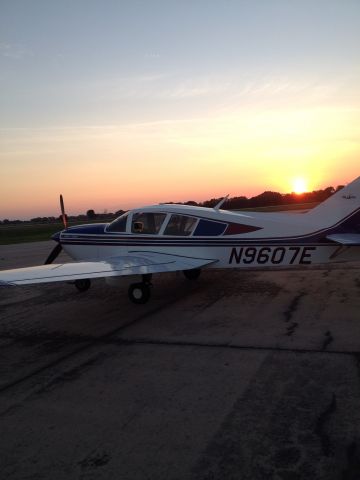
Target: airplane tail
<point x="342" y="207"/>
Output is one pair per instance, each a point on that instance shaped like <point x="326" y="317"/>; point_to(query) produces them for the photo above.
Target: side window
<point x="209" y="228"/>
<point x="147" y="222"/>
<point x="180" y="225"/>
<point x="119" y="225"/>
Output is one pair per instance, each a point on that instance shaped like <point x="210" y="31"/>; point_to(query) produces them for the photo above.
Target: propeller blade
<point x="63" y="214"/>
<point x="54" y="253"/>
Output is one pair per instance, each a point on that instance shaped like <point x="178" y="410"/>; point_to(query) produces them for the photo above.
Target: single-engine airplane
<point x="170" y="237"/>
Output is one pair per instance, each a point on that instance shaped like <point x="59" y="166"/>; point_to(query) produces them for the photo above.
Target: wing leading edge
<point x="140" y="264"/>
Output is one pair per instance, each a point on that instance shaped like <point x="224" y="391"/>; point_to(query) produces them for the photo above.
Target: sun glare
<point x="299" y="185"/>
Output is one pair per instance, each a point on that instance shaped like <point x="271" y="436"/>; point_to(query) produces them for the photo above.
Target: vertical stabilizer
<point x="339" y="206"/>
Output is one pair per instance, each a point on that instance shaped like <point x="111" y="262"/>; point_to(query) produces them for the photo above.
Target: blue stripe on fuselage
<point x="88" y="229"/>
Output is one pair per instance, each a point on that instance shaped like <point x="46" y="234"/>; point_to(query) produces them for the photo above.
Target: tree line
<point x="269" y="198"/>
<point x="265" y="199"/>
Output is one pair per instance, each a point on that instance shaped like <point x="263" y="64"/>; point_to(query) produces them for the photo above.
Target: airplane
<point x="173" y="237"/>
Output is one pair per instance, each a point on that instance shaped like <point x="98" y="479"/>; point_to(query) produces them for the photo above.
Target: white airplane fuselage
<point x="268" y="239"/>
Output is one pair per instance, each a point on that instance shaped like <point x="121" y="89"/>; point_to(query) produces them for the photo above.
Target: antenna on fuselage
<point x="222" y="201"/>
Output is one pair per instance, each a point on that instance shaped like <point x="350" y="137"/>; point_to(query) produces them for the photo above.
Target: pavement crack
<point x="293" y="306"/>
<point x="95" y="460"/>
<point x="328" y="339"/>
<point x="321" y="426"/>
<point x="73" y="373"/>
<point x="210" y="303"/>
<point x="291" y="329"/>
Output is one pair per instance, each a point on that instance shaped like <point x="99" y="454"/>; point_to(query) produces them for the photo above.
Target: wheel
<point x="83" y="284"/>
<point x="139" y="292"/>
<point x="192" y="274"/>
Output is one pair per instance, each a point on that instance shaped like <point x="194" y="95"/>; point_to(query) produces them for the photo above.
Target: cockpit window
<point x="118" y="225"/>
<point x="180" y="225"/>
<point x="147" y="222"/>
<point x="209" y="228"/>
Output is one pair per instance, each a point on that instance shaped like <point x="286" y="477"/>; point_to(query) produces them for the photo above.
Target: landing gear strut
<point x="83" y="284"/>
<point x="192" y="274"/>
<point x="139" y="293"/>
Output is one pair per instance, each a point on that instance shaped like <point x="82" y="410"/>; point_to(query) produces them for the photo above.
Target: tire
<point x="83" y="284"/>
<point x="139" y="293"/>
<point x="192" y="274"/>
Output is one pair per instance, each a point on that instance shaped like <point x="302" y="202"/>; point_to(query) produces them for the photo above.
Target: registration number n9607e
<point x="271" y="255"/>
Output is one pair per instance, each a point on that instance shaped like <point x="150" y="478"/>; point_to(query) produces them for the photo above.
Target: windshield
<point x="118" y="225"/>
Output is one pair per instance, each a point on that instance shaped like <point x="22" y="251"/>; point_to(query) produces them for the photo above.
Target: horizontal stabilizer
<point x="345" y="238"/>
<point x="138" y="264"/>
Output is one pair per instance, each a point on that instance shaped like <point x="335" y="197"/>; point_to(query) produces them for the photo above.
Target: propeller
<point x="63" y="214"/>
<point x="57" y="249"/>
<point x="53" y="254"/>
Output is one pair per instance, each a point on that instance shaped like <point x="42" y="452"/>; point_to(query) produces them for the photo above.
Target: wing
<point x="139" y="264"/>
<point x="348" y="239"/>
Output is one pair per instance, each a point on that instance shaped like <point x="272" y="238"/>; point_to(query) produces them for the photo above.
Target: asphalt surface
<point x="238" y="375"/>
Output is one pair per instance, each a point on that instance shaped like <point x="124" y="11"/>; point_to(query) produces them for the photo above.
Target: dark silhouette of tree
<point x="266" y="198"/>
<point x="236" y="203"/>
<point x="211" y="203"/>
<point x="91" y="215"/>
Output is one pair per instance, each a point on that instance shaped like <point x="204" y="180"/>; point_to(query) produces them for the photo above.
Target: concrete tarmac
<point x="238" y="375"/>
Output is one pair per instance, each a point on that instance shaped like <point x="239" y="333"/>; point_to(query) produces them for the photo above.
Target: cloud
<point x="12" y="50"/>
<point x="152" y="55"/>
<point x="231" y="87"/>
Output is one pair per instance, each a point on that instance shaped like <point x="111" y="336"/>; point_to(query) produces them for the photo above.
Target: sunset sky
<point x="116" y="104"/>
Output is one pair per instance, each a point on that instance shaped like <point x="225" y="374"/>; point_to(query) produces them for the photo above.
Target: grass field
<point x="30" y="232"/>
<point x="27" y="232"/>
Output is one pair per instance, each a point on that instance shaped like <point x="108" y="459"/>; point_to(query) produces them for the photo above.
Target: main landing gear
<point x="83" y="284"/>
<point x="192" y="274"/>
<point x="139" y="293"/>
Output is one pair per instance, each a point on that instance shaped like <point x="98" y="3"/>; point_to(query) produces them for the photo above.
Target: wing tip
<point x="7" y="284"/>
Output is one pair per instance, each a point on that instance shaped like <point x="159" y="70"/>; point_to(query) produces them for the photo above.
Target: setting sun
<point x="299" y="185"/>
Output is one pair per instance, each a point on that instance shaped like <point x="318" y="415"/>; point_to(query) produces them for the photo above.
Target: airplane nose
<point x="56" y="237"/>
